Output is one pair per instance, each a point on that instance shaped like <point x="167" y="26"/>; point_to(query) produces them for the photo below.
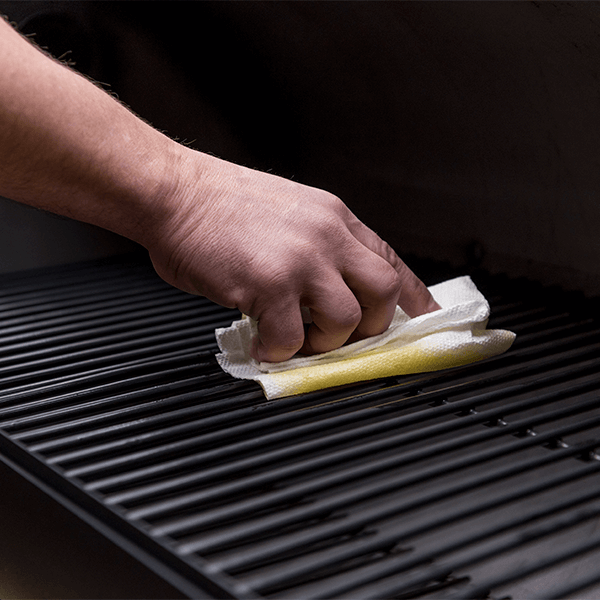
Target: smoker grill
<point x="476" y="482"/>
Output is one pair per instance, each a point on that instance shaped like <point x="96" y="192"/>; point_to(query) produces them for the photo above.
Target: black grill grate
<point x="476" y="482"/>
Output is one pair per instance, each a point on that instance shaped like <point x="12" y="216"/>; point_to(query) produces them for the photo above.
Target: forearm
<point x="68" y="147"/>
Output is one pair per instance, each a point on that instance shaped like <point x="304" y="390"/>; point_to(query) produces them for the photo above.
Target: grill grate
<point x="476" y="482"/>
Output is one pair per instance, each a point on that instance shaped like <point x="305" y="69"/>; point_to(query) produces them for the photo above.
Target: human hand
<point x="269" y="246"/>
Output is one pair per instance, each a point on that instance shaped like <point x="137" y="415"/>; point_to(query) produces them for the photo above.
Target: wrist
<point x="147" y="197"/>
<point x="181" y="191"/>
<point x="176" y="188"/>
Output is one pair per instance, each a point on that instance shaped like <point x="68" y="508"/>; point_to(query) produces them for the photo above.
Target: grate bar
<point x="261" y="424"/>
<point x="55" y="313"/>
<point x="400" y="564"/>
<point x="248" y="531"/>
<point x="305" y="565"/>
<point x="526" y="314"/>
<point x="151" y="346"/>
<point x="570" y="589"/>
<point x="223" y="386"/>
<point x="340" y="501"/>
<point x="175" y="368"/>
<point x="292" y="493"/>
<point x="98" y="345"/>
<point x="103" y="322"/>
<point x="244" y="398"/>
<point x="52" y="385"/>
<point x="136" y="411"/>
<point x="478" y="555"/>
<point x="146" y="400"/>
<point x="267" y="440"/>
<point x="311" y="464"/>
<point x="81" y="285"/>
<point x="482" y="590"/>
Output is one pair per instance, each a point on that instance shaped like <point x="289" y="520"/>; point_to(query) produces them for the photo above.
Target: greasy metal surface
<point x="473" y="482"/>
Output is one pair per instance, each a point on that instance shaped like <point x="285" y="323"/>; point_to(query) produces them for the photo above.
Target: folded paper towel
<point x="453" y="336"/>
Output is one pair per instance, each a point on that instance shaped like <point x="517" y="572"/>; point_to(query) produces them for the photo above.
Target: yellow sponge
<point x="453" y="336"/>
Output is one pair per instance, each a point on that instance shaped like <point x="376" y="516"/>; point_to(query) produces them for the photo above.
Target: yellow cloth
<point x="453" y="336"/>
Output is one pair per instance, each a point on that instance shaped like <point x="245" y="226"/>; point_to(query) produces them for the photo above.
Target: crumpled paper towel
<point x="453" y="336"/>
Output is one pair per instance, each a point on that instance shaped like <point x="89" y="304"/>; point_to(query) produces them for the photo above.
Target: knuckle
<point x="329" y="213"/>
<point x="328" y="199"/>
<point x="266" y="285"/>
<point x="390" y="255"/>
<point x="349" y="315"/>
<point x="386" y="287"/>
<point x="410" y="285"/>
<point x="390" y="286"/>
<point x="339" y="208"/>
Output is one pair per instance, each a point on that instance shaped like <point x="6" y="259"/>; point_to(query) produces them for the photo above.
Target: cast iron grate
<point x="478" y="482"/>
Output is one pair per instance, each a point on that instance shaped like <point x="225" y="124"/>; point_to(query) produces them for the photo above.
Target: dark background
<point x="464" y="131"/>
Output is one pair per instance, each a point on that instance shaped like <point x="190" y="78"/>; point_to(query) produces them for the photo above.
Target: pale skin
<point x="240" y="237"/>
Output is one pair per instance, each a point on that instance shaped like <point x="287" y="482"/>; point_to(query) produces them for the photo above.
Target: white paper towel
<point x="453" y="336"/>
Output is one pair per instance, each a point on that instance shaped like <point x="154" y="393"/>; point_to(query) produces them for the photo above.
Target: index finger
<point x="414" y="298"/>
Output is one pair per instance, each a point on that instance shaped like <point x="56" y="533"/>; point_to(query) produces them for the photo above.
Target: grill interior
<point x="476" y="482"/>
